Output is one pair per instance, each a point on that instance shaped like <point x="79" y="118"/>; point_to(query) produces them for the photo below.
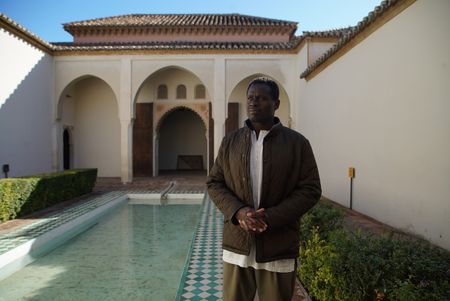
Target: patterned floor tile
<point x="202" y="278"/>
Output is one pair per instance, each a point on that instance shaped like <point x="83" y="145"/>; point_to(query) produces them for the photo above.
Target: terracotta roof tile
<point x="176" y="46"/>
<point x="331" y="33"/>
<point x="350" y="34"/>
<point x="178" y="20"/>
<point x="12" y="25"/>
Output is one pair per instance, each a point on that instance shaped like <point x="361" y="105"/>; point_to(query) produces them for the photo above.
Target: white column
<point x="56" y="126"/>
<point x="126" y="122"/>
<point x="126" y="136"/>
<point x="155" y="153"/>
<point x="56" y="145"/>
<point x="219" y="103"/>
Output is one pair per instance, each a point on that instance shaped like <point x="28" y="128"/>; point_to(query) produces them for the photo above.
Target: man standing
<point x="264" y="179"/>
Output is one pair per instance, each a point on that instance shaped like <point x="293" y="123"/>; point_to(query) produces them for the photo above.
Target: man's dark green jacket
<point x="290" y="187"/>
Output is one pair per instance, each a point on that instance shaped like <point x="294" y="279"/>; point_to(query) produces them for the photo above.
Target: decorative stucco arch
<point x="140" y="79"/>
<point x="202" y="113"/>
<point x="163" y="110"/>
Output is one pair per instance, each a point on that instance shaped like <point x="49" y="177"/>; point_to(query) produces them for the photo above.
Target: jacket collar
<point x="273" y="131"/>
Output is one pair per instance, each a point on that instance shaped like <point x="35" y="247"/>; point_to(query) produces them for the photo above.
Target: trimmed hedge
<point x="339" y="264"/>
<point x="24" y="195"/>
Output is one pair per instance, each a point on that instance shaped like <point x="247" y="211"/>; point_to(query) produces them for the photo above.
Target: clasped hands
<point x="251" y="220"/>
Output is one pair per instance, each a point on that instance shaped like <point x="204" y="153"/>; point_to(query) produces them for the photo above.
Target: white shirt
<point x="256" y="172"/>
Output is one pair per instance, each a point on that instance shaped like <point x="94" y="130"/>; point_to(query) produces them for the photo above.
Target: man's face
<point x="260" y="105"/>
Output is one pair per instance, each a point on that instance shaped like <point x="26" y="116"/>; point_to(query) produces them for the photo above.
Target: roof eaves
<point x="73" y="47"/>
<point x="378" y="12"/>
<point x="331" y="33"/>
<point x="26" y="35"/>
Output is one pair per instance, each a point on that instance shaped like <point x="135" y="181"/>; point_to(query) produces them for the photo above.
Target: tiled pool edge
<point x="22" y="234"/>
<point x="202" y="276"/>
<point x="23" y="245"/>
<point x="42" y="236"/>
<point x="188" y="256"/>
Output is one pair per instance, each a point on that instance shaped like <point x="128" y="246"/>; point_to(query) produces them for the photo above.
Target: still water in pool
<point x="136" y="252"/>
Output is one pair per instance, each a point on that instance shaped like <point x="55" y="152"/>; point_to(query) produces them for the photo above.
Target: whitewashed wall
<point x="92" y="114"/>
<point x="26" y="87"/>
<point x="383" y="108"/>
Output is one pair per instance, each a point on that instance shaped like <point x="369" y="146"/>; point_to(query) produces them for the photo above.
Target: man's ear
<point x="277" y="104"/>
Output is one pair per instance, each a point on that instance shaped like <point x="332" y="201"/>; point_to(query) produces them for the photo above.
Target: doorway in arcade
<point x="182" y="143"/>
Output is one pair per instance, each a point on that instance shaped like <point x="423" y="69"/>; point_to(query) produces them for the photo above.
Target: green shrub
<point x="14" y="192"/>
<point x="337" y="264"/>
<point x="323" y="217"/>
<point x="21" y="196"/>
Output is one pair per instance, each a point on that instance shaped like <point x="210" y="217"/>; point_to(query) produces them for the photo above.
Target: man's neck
<point x="262" y="126"/>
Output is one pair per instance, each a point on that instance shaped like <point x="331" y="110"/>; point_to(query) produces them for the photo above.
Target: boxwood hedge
<point x="24" y="195"/>
<point x="338" y="263"/>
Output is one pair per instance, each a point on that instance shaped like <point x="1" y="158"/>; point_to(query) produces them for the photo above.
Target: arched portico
<point x="87" y="109"/>
<point x="156" y="99"/>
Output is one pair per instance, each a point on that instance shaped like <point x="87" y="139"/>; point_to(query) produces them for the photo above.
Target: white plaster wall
<point x="68" y="106"/>
<point x="96" y="128"/>
<point x="383" y="108"/>
<point x="25" y="106"/>
<point x="182" y="132"/>
<point x="171" y="77"/>
<point x="316" y="49"/>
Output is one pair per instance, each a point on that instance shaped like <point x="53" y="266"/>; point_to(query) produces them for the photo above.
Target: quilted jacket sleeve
<point x="220" y="193"/>
<point x="305" y="195"/>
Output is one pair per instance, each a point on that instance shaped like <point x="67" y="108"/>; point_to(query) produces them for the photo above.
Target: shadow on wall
<point x="25" y="122"/>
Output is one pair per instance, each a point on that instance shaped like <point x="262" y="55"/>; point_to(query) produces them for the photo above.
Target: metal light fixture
<point x="5" y="169"/>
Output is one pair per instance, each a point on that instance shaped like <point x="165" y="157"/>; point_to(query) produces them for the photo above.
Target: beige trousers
<point x="241" y="284"/>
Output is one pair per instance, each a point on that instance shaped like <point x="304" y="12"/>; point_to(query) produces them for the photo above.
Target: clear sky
<point x="45" y="17"/>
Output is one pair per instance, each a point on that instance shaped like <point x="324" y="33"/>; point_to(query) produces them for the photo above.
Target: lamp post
<point x="351" y="175"/>
<point x="5" y="169"/>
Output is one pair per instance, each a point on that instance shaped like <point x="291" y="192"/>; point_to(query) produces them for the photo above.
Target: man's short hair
<point x="274" y="90"/>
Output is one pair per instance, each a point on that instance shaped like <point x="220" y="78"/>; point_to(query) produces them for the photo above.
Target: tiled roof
<point x="18" y="29"/>
<point x="335" y="33"/>
<point x="350" y="34"/>
<point x="331" y="33"/>
<point x="70" y="47"/>
<point x="179" y="20"/>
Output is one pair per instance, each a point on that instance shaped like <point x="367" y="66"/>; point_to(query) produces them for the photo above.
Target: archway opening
<point x="66" y="149"/>
<point x="182" y="143"/>
<point x="90" y="127"/>
<point x="160" y="94"/>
